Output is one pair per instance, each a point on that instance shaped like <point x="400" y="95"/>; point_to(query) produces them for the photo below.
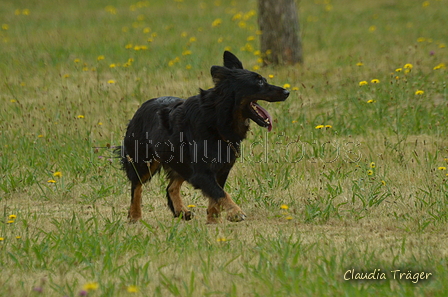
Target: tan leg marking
<point x="176" y="199"/>
<point x="135" y="211"/>
<point x="234" y="212"/>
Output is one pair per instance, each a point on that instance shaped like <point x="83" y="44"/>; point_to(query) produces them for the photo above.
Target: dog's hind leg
<point x="175" y="202"/>
<point x="143" y="173"/>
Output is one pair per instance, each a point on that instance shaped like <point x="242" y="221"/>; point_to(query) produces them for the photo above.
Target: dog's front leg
<point x="216" y="206"/>
<point x="219" y="200"/>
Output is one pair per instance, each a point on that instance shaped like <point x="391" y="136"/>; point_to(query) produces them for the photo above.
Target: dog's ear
<point x="231" y="61"/>
<point x="219" y="73"/>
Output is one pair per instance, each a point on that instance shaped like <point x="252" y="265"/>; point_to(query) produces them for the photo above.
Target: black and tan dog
<point x="197" y="140"/>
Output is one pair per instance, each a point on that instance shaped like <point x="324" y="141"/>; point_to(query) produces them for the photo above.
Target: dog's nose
<point x="286" y="93"/>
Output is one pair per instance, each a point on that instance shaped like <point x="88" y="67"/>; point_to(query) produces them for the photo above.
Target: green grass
<point x="317" y="206"/>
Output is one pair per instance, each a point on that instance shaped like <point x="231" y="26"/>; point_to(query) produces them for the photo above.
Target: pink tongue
<point x="265" y="114"/>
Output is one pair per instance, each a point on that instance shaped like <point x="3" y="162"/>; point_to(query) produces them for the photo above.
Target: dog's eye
<point x="260" y="82"/>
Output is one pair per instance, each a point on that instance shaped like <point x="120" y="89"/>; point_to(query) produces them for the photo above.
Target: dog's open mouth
<point x="260" y="115"/>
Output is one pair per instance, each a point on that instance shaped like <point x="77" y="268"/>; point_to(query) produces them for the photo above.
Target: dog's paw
<point x="186" y="215"/>
<point x="236" y="216"/>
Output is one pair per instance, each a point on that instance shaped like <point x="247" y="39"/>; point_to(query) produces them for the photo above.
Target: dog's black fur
<point x="197" y="140"/>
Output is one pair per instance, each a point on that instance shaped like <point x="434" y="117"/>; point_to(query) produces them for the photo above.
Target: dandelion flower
<point x="363" y="83"/>
<point x="288" y="217"/>
<point x="216" y="23"/>
<point x="13" y="100"/>
<point x="251" y="38"/>
<point x="80" y="116"/>
<point x="271" y="76"/>
<point x="132" y="289"/>
<point x="40" y="136"/>
<point x="186" y="53"/>
<point x="442" y="45"/>
<point x="294" y="122"/>
<point x="398" y="69"/>
<point x="383" y="182"/>
<point x="440" y="66"/>
<point x="128" y="46"/>
<point x="12" y="217"/>
<point x="18" y="237"/>
<point x="2" y="238"/>
<point x="101" y="57"/>
<point x="57" y="174"/>
<point x="5" y="27"/>
<point x="425" y="3"/>
<point x="442" y="168"/>
<point x="421" y="39"/>
<point x="328" y="126"/>
<point x="408" y="66"/>
<point x="419" y="92"/>
<point x="359" y="64"/>
<point x="91" y="286"/>
<point x="371" y="101"/>
<point x="372" y="28"/>
<point x="221" y="239"/>
<point x="191" y="206"/>
<point x="66" y="75"/>
<point x="286" y="86"/>
<point x="319" y="127"/>
<point x="372" y="165"/>
<point x="51" y="181"/>
<point x="111" y="81"/>
<point x="295" y="88"/>
<point x="10" y="222"/>
<point x="375" y="81"/>
<point x="284" y="206"/>
<point x="369" y="172"/>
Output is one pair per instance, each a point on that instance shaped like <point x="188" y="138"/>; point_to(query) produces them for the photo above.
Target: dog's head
<point x="246" y="88"/>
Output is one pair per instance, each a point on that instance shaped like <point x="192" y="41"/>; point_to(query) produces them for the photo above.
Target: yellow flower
<point x="398" y="69"/>
<point x="369" y="172"/>
<point x="57" y="174"/>
<point x="80" y="116"/>
<point x="371" y="101"/>
<point x="288" y="217"/>
<point x="271" y="75"/>
<point x="132" y="289"/>
<point x="255" y="68"/>
<point x="76" y="60"/>
<point x="328" y="126"/>
<point x="421" y="39"/>
<point x="10" y="222"/>
<point x="419" y="92"/>
<point x="363" y="83"/>
<point x="221" y="239"/>
<point x="18" y="237"/>
<point x="186" y="53"/>
<point x="13" y="100"/>
<point x="100" y="123"/>
<point x="295" y="88"/>
<point x="372" y="28"/>
<point x="442" y="45"/>
<point x="40" y="136"/>
<point x="425" y="3"/>
<point x="294" y="122"/>
<point x="191" y="206"/>
<point x="372" y="165"/>
<point x="360" y="64"/>
<point x="92" y="286"/>
<point x="284" y="206"/>
<point x="251" y="38"/>
<point x="51" y="181"/>
<point x="319" y="127"/>
<point x="66" y="75"/>
<point x="286" y="86"/>
<point x="128" y="46"/>
<point x="5" y="27"/>
<point x="146" y="30"/>
<point x="1" y="238"/>
<point x="12" y="217"/>
<point x="101" y="57"/>
<point x="408" y="66"/>
<point x="442" y="168"/>
<point x="111" y="81"/>
<point x="440" y="66"/>
<point x="192" y="39"/>
<point x="216" y="23"/>
<point x="188" y="67"/>
<point x="375" y="81"/>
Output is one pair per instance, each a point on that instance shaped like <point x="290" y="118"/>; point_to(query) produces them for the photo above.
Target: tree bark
<point x="280" y="39"/>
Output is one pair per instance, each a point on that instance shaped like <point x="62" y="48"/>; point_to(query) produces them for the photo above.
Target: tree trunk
<point x="280" y="39"/>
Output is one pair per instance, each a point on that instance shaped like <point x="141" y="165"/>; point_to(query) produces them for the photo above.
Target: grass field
<point x="351" y="180"/>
